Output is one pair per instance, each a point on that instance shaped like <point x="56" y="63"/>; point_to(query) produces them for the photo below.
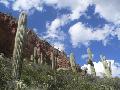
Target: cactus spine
<point x="90" y="63"/>
<point x="72" y="62"/>
<point x="107" y="67"/>
<point x="18" y="46"/>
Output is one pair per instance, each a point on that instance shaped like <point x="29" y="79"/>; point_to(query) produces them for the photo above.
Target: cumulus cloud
<point x="60" y="46"/>
<point x="117" y="33"/>
<point x="100" y="70"/>
<point x="80" y="34"/>
<point x="77" y="7"/>
<point x="54" y="30"/>
<point x="27" y="5"/>
<point x="54" y="34"/>
<point x="108" y="9"/>
<point x="5" y="2"/>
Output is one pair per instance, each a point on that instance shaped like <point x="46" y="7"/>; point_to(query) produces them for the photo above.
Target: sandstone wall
<point x="8" y="27"/>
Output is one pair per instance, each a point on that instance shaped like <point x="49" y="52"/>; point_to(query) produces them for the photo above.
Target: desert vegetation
<point x="42" y="77"/>
<point x="19" y="73"/>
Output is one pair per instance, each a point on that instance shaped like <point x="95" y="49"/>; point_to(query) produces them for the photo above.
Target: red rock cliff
<point x="8" y="27"/>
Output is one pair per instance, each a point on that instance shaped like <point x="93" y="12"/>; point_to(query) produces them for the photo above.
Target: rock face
<point x="8" y="28"/>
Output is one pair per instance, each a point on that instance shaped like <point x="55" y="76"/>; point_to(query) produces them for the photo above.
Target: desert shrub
<point x="5" y="72"/>
<point x="42" y="77"/>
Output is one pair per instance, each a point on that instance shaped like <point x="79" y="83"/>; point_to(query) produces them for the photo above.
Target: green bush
<point x="5" y="72"/>
<point x="42" y="77"/>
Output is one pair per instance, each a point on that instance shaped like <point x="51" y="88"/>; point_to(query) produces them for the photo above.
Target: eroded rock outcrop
<point x="8" y="28"/>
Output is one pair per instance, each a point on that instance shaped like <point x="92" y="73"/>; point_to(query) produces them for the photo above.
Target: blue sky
<point x="75" y="25"/>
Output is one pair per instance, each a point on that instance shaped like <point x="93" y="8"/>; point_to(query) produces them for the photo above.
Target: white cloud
<point x="77" y="7"/>
<point x="59" y="46"/>
<point x="117" y="33"/>
<point x="27" y="5"/>
<point x="54" y="30"/>
<point x="109" y="9"/>
<point x="80" y="34"/>
<point x="35" y="30"/>
<point x="54" y="34"/>
<point x="5" y="2"/>
<point x="100" y="70"/>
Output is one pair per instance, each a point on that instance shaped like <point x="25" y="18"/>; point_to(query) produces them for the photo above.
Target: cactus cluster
<point x="90" y="63"/>
<point x="54" y="58"/>
<point x="72" y="62"/>
<point x="107" y="67"/>
<point x="37" y="56"/>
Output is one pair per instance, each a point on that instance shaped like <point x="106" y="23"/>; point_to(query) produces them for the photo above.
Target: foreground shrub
<point x="42" y="77"/>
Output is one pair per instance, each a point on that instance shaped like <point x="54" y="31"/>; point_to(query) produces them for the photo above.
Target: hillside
<point x="29" y="63"/>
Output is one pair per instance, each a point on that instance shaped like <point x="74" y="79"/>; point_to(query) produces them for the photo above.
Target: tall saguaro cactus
<point x="72" y="62"/>
<point x="35" y="55"/>
<point x="53" y="60"/>
<point x="18" y="46"/>
<point x="90" y="63"/>
<point x="41" y="58"/>
<point x="107" y="67"/>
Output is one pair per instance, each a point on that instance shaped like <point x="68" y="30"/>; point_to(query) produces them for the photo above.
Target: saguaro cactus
<point x="41" y="57"/>
<point x="53" y="60"/>
<point x="35" y="55"/>
<point x="72" y="62"/>
<point x="90" y="63"/>
<point x="18" y="46"/>
<point x="107" y="66"/>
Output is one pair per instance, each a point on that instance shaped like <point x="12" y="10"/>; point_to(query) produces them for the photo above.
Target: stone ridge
<point x="8" y="28"/>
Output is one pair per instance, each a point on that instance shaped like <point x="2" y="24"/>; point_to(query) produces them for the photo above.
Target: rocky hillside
<point x="8" y="28"/>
